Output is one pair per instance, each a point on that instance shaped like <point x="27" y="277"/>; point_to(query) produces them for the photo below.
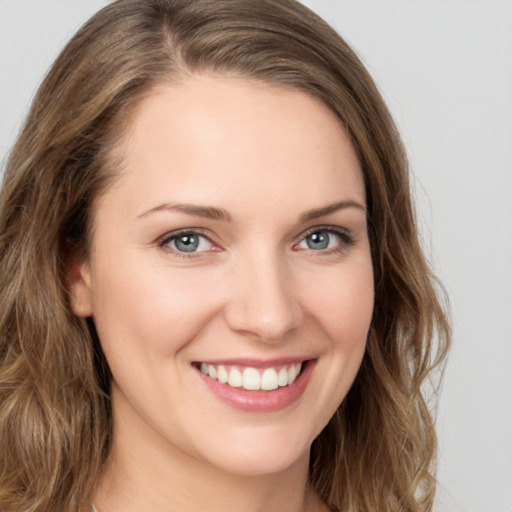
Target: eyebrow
<point x="332" y="208"/>
<point x="219" y="214"/>
<point x="207" y="212"/>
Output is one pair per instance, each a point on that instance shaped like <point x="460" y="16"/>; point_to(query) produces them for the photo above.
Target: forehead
<point x="218" y="138"/>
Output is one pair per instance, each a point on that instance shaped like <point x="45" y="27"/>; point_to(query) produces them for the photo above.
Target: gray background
<point x="445" y="67"/>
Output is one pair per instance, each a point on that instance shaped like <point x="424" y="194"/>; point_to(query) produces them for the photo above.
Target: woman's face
<point x="231" y="253"/>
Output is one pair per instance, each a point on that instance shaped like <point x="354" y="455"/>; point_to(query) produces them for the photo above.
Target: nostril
<point x="268" y="322"/>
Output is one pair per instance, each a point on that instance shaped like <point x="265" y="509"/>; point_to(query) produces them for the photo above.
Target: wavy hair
<point x="378" y="451"/>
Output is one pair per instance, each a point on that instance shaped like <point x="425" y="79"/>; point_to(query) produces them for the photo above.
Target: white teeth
<point x="212" y="371"/>
<point x="252" y="379"/>
<point x="282" y="378"/>
<point x="269" y="380"/>
<point x="291" y="375"/>
<point x="222" y="375"/>
<point x="293" y="372"/>
<point x="235" y="378"/>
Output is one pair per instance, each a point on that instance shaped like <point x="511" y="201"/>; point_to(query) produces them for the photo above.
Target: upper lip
<point x="254" y="362"/>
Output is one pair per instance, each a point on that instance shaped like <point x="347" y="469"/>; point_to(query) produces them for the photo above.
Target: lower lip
<point x="261" y="401"/>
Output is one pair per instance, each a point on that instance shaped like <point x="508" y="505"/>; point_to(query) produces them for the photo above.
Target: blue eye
<point x="188" y="242"/>
<point x="324" y="239"/>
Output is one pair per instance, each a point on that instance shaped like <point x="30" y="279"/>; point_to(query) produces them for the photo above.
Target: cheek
<point x="149" y="309"/>
<point x="343" y="302"/>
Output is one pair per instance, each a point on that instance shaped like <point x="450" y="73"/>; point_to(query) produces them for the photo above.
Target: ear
<point x="78" y="284"/>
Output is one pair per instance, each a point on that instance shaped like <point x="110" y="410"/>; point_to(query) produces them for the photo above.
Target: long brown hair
<point x="378" y="451"/>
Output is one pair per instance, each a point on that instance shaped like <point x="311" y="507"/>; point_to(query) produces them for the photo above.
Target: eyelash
<point x="346" y="240"/>
<point x="170" y="237"/>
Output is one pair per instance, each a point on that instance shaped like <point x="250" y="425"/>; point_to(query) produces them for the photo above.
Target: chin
<point x="265" y="452"/>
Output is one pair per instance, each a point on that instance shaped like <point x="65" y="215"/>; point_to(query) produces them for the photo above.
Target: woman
<point x="213" y="294"/>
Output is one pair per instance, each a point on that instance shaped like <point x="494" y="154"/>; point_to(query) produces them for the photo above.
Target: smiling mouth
<point x="253" y="379"/>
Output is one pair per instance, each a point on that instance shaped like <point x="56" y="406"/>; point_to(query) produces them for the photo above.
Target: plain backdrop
<point x="445" y="68"/>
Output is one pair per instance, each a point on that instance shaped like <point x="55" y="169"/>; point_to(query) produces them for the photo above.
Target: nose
<point x="263" y="301"/>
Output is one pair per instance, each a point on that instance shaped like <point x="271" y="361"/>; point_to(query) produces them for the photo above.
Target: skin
<point x="266" y="156"/>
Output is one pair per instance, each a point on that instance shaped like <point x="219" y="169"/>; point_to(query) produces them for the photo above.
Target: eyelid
<point x="347" y="237"/>
<point x="169" y="236"/>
